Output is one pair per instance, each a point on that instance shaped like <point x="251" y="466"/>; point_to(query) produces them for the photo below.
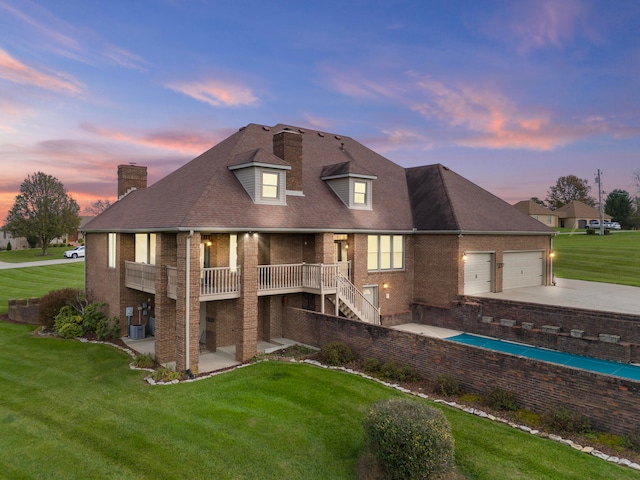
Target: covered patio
<point x="223" y="357"/>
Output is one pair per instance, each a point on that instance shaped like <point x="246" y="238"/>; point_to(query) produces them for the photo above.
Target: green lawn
<point x="37" y="281"/>
<point x="75" y="410"/>
<point x="32" y="254"/>
<point x="613" y="258"/>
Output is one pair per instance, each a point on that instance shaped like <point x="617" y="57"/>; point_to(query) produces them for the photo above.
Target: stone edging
<point x="473" y="411"/>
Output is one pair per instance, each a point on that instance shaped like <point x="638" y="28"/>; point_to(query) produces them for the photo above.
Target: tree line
<point x="623" y="207"/>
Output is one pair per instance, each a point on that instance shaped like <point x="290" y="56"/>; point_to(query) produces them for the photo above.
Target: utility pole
<point x="600" y="206"/>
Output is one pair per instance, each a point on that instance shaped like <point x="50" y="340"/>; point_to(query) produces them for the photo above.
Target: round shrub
<point x="447" y="385"/>
<point x="336" y="354"/>
<point x="500" y="399"/>
<point x="68" y="323"/>
<point x="372" y="366"/>
<point x="408" y="439"/>
<point x="563" y="420"/>
<point x="51" y="304"/>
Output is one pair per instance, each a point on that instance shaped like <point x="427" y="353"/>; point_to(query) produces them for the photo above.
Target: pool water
<point x="623" y="370"/>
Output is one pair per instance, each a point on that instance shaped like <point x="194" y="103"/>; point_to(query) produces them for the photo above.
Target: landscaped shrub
<point x="336" y="353"/>
<point x="9" y="247"/>
<point x="447" y="385"/>
<point x="563" y="420"/>
<point x="51" y="304"/>
<point x="500" y="399"/>
<point x="372" y="366"/>
<point x="144" y="360"/>
<point x="165" y="374"/>
<point x="68" y="323"/>
<point x="108" y="328"/>
<point x="92" y="315"/>
<point x="398" y="373"/>
<point x="408" y="439"/>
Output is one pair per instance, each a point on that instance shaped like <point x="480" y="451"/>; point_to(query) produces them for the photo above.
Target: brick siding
<point x="611" y="403"/>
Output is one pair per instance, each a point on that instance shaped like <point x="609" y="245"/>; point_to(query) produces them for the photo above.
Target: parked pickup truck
<point x="595" y="224"/>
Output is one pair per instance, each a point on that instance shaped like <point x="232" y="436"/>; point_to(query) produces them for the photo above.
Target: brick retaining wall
<point x="605" y="335"/>
<point x="24" y="311"/>
<point x="610" y="402"/>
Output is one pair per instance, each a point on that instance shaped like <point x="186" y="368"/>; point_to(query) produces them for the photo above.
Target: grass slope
<point x="33" y="254"/>
<point x="37" y="281"/>
<point x="613" y="258"/>
<point x="74" y="410"/>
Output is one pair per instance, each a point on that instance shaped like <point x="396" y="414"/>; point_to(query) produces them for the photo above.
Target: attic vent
<point x="337" y="137"/>
<point x="241" y="128"/>
<point x="301" y="130"/>
<point x="320" y="134"/>
<point x="266" y="129"/>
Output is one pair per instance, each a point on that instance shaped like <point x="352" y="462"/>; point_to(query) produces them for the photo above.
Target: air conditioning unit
<point x="136" y="332"/>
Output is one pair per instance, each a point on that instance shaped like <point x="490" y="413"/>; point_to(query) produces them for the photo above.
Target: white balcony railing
<point x="140" y="276"/>
<point x="353" y="298"/>
<point x="219" y="283"/>
<point x="299" y="277"/>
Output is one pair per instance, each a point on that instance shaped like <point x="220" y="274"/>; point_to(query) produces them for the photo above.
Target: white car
<point x="75" y="253"/>
<point x="613" y="225"/>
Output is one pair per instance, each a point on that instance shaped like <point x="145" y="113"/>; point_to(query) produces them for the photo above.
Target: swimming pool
<point x="622" y="370"/>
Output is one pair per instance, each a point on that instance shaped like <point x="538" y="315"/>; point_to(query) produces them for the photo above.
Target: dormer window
<point x="359" y="193"/>
<point x="351" y="183"/>
<point x="263" y="176"/>
<point x="270" y="182"/>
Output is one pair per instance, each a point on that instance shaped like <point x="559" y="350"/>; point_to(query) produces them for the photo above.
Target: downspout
<point x="187" y="300"/>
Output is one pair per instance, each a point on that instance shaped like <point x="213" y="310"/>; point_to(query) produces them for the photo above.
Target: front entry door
<point x="370" y="292"/>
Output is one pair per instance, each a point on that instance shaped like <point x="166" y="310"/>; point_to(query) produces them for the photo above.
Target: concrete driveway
<point x="605" y="297"/>
<point x="40" y="263"/>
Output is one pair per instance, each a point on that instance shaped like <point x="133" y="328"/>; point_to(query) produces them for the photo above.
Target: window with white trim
<point x="385" y="252"/>
<point x="270" y="183"/>
<point x="359" y="193"/>
<point x="111" y="250"/>
<point x="146" y="248"/>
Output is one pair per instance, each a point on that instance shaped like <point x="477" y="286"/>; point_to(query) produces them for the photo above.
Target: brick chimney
<point x="131" y="177"/>
<point x="287" y="145"/>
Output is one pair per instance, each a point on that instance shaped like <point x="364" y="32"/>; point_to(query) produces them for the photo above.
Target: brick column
<point x="165" y="307"/>
<point x="325" y="251"/>
<point x="194" y="302"/>
<point x="247" y="341"/>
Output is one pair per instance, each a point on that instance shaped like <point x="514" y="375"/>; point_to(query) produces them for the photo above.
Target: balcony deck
<point x="221" y="283"/>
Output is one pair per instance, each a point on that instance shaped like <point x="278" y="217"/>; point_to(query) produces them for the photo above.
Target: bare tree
<point x="97" y="207"/>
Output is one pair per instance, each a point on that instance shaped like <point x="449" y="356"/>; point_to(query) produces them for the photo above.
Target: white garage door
<point x="478" y="273"/>
<point x="523" y="269"/>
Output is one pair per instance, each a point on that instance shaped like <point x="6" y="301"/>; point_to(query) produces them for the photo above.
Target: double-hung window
<point x="385" y="252"/>
<point x="270" y="185"/>
<point x="146" y="248"/>
<point x="111" y="250"/>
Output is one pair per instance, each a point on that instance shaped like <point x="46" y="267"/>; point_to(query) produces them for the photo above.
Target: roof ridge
<point x="445" y="188"/>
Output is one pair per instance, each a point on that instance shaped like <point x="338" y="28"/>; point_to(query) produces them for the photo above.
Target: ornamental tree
<point x="43" y="210"/>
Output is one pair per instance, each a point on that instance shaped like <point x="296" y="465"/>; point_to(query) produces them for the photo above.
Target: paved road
<point x="40" y="263"/>
<point x="606" y="297"/>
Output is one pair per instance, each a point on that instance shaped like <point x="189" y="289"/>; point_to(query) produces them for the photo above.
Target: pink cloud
<point x="354" y="84"/>
<point x="187" y="142"/>
<point x="546" y="23"/>
<point x="490" y="120"/>
<point x="217" y="93"/>
<point x="17" y="72"/>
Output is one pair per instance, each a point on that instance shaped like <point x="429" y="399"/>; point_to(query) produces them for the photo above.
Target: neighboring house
<point x="577" y="214"/>
<point x="284" y="216"/>
<point x="17" y="243"/>
<point x="537" y="211"/>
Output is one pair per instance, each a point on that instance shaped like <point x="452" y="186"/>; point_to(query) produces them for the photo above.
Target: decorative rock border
<point x="473" y="411"/>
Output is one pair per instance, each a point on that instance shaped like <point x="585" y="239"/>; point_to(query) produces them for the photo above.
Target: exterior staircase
<point x="353" y="304"/>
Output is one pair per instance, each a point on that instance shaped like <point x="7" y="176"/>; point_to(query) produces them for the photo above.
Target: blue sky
<point x="509" y="94"/>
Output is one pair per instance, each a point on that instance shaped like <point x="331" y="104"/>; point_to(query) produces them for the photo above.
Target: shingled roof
<point x="205" y="195"/>
<point x="578" y="209"/>
<point x="532" y="208"/>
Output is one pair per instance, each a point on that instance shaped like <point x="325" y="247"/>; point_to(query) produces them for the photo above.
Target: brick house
<point x="277" y="216"/>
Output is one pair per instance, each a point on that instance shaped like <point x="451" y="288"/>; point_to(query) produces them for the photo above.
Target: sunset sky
<point x="509" y="94"/>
